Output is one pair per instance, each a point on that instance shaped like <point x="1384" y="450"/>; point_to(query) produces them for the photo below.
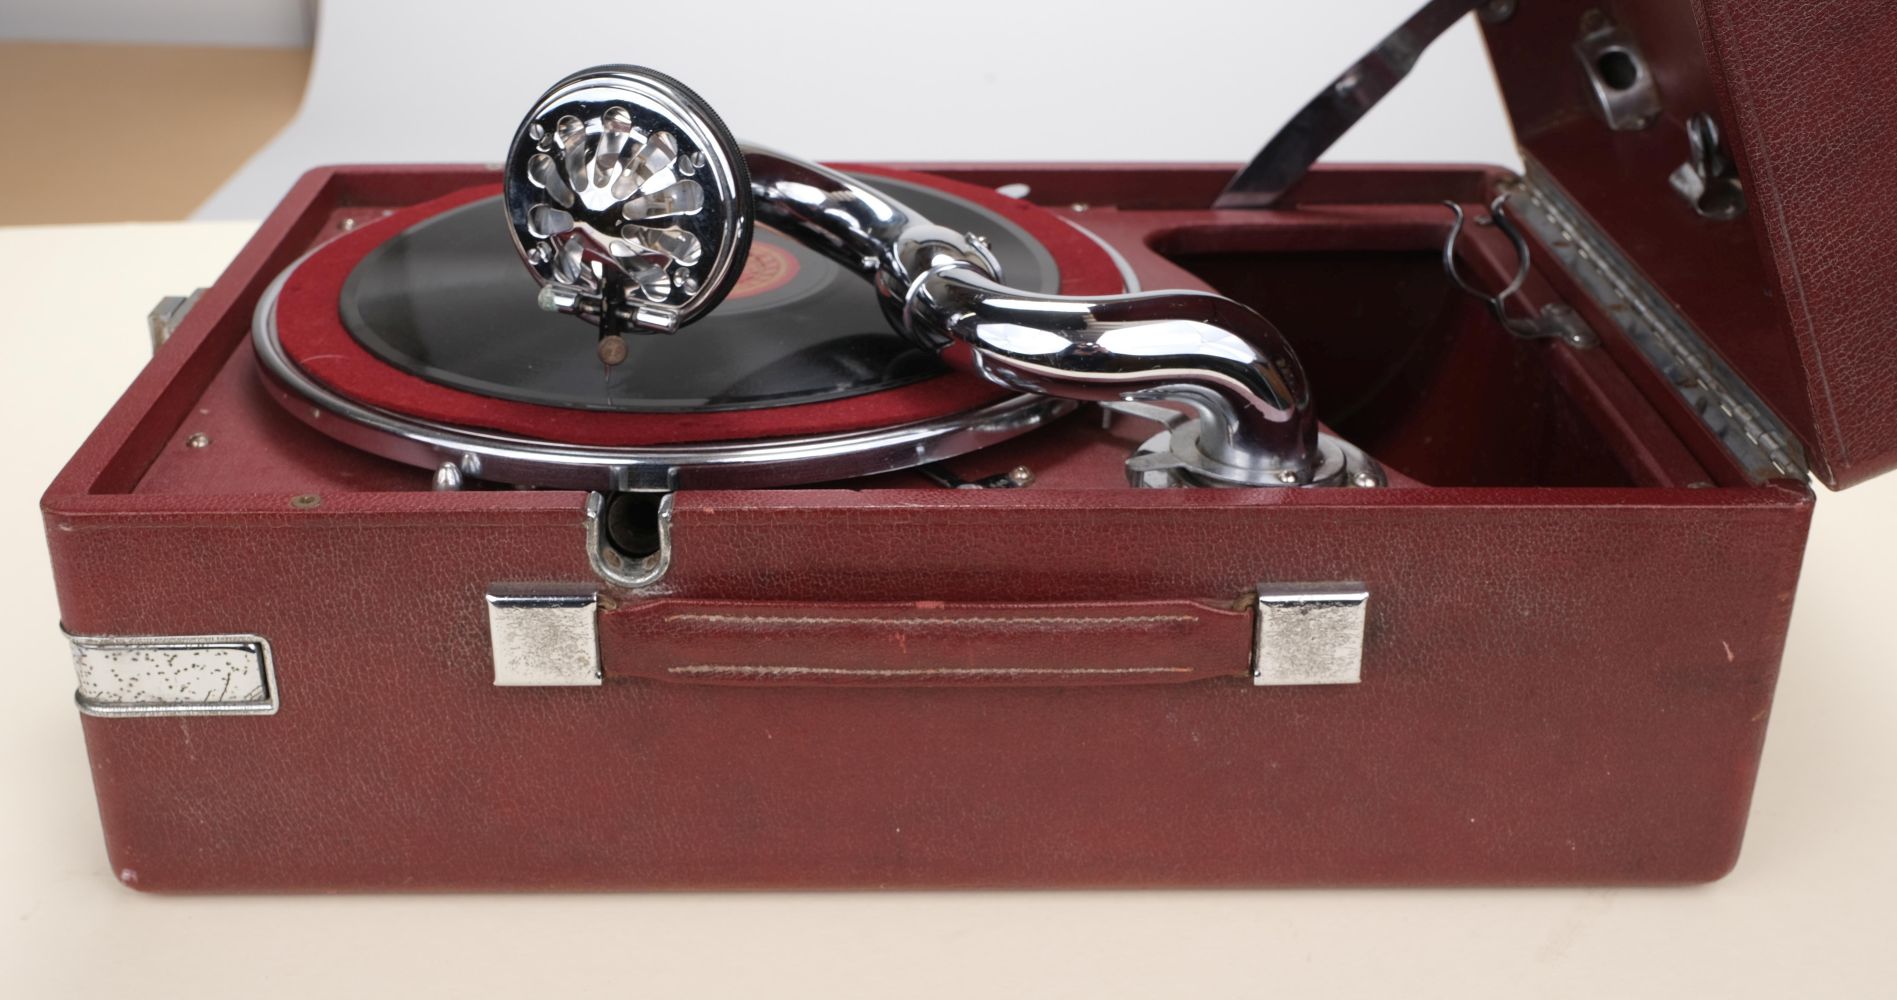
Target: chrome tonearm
<point x="1247" y="417"/>
<point x="1253" y="421"/>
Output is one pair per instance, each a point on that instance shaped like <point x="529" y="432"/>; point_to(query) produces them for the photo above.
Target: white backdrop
<point x="267" y="23"/>
<point x="447" y="80"/>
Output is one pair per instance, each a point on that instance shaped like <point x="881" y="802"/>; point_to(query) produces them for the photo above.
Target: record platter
<point x="657" y="510"/>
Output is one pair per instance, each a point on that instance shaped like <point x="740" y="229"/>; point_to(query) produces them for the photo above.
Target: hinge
<point x="1748" y="429"/>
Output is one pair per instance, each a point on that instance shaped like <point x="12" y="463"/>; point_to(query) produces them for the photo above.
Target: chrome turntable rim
<point x="518" y="460"/>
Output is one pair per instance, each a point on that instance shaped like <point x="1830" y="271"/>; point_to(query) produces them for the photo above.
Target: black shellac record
<point x="450" y="301"/>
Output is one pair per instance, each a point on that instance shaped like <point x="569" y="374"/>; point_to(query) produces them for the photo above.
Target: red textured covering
<point x="311" y="331"/>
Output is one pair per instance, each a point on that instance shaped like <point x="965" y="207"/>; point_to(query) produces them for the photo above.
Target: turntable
<point x="657" y="510"/>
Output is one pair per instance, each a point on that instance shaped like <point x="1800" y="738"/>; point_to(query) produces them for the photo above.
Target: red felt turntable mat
<point x="311" y="332"/>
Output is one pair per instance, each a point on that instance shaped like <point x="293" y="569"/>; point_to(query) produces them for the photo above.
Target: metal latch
<point x="1708" y="180"/>
<point x="1555" y="321"/>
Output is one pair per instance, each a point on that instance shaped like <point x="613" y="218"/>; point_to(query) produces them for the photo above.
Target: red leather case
<point x="1577" y="600"/>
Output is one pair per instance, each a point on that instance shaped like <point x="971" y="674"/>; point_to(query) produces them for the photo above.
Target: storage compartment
<point x="1414" y="370"/>
<point x="1402" y="363"/>
<point x="1417" y="372"/>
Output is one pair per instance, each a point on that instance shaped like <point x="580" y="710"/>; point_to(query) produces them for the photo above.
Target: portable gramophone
<point x="663" y="511"/>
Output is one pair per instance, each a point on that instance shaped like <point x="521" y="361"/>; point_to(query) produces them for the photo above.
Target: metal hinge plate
<point x="1750" y="431"/>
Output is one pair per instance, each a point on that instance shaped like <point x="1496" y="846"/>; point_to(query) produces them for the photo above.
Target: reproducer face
<point x="628" y="200"/>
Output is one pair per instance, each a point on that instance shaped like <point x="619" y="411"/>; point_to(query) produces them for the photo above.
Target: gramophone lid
<point x="1795" y="289"/>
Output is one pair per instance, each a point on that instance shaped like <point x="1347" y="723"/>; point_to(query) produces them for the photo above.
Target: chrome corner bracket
<point x="1308" y="633"/>
<point x="165" y="317"/>
<point x="544" y="635"/>
<point x="148" y="675"/>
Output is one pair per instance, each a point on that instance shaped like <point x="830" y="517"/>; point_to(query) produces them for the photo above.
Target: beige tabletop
<point x="1808" y="913"/>
<point x="200" y="113"/>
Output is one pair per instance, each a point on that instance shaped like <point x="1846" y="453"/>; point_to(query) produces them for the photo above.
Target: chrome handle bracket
<point x="544" y="635"/>
<point x="1307" y="633"/>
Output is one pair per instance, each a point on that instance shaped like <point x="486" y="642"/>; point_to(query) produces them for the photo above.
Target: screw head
<point x="447" y="477"/>
<point x="305" y="501"/>
<point x="1289" y="477"/>
<point x="1021" y="475"/>
<point x="198" y="440"/>
<point x="612" y="349"/>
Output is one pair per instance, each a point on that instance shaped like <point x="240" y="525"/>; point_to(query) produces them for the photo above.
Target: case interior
<point x="1404" y="364"/>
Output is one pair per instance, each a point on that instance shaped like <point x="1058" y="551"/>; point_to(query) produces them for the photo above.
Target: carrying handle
<point x="1279" y="635"/>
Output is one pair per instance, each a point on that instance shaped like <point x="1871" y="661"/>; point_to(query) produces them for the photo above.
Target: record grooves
<point x="449" y="301"/>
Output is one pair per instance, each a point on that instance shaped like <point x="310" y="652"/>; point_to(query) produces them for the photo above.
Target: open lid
<point x="1739" y="156"/>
